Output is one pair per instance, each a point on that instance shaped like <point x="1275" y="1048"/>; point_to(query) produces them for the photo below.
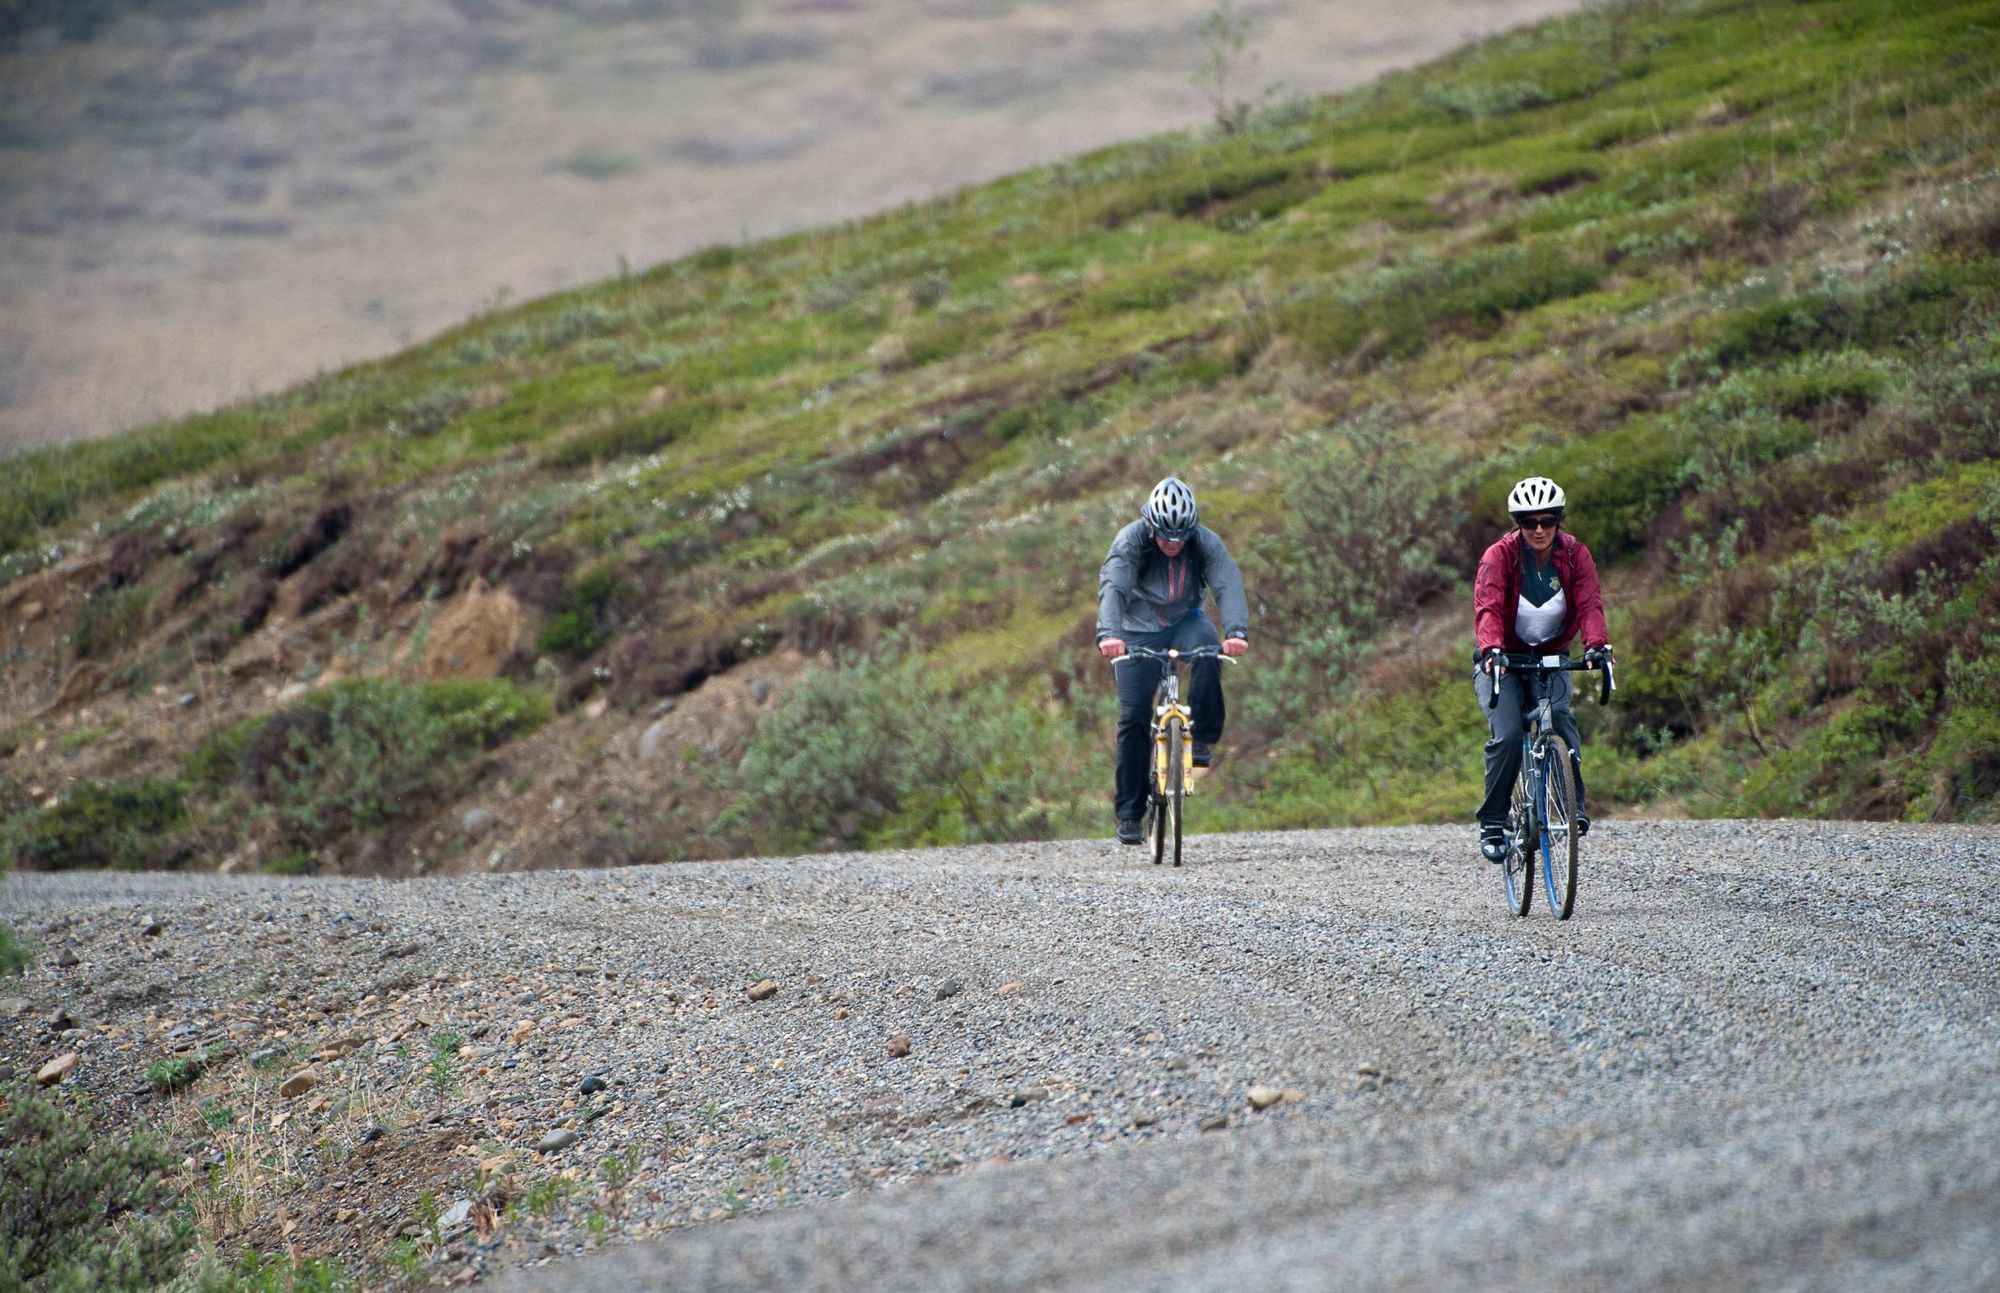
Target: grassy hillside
<point x="1726" y="270"/>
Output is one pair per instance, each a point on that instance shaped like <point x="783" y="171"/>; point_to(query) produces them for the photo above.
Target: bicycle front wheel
<point x="1518" y="868"/>
<point x="1176" y="780"/>
<point x="1558" y="827"/>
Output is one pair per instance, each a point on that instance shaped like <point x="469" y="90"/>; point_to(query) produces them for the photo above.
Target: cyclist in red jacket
<point x="1536" y="591"/>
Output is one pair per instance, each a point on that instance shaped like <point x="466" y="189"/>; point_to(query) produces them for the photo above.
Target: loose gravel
<point x="1762" y="1055"/>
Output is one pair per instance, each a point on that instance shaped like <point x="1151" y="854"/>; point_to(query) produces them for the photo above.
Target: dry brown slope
<point x="228" y="200"/>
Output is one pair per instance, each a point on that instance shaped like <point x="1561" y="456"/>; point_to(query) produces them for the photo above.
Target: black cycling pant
<point x="1136" y="680"/>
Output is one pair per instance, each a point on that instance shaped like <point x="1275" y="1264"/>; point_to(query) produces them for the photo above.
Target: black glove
<point x="1599" y="655"/>
<point x="1489" y="662"/>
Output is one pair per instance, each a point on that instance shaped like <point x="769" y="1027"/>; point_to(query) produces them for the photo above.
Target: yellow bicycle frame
<point x="1173" y="709"/>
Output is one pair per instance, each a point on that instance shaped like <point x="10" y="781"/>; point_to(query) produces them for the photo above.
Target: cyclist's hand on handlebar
<point x="1492" y="662"/>
<point x="1234" y="646"/>
<point x="1599" y="655"/>
<point x="1111" y="648"/>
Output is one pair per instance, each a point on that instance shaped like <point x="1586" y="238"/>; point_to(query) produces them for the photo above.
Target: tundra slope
<point x="1763" y="1054"/>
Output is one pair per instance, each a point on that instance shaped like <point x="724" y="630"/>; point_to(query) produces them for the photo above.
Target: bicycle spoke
<point x="1559" y="853"/>
<point x="1518" y="871"/>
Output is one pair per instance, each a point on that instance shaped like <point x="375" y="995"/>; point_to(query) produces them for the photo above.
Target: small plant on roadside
<point x="79" y="1209"/>
<point x="438" y="1072"/>
<point x="542" y="1198"/>
<point x="170" y="1075"/>
<point x="217" y="1114"/>
<point x="256" y="1272"/>
<point x="16" y="954"/>
<point x="406" y="1258"/>
<point x="616" y="1171"/>
<point x="428" y="1212"/>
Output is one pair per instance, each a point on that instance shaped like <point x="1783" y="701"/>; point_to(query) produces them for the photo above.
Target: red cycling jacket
<point x="1496" y="591"/>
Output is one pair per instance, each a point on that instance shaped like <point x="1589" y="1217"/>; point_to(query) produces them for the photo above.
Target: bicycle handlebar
<point x="1170" y="655"/>
<point x="1539" y="664"/>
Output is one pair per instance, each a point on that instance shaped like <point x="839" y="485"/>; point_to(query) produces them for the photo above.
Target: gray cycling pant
<point x="1504" y="723"/>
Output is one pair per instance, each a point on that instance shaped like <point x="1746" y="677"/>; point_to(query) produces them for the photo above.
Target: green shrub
<point x="16" y="953"/>
<point x="1477" y="101"/>
<point x="1726" y="432"/>
<point x="1393" y="311"/>
<point x="631" y="437"/>
<point x="79" y="1209"/>
<point x="1369" y="531"/>
<point x="1617" y="482"/>
<point x="871" y="753"/>
<point x="367" y="752"/>
<point x="428" y="414"/>
<point x="109" y="621"/>
<point x="44" y="487"/>
<point x="581" y="620"/>
<point x="100" y="824"/>
<point x="218" y="759"/>
<point x="170" y="1075"/>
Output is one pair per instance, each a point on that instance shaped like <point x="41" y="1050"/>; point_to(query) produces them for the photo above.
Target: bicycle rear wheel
<point x="1559" y="828"/>
<point x="1176" y="780"/>
<point x="1518" y="869"/>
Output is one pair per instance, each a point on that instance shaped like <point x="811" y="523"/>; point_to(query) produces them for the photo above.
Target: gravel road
<point x="1763" y="1055"/>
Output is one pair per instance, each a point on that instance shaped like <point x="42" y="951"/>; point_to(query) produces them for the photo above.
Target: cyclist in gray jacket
<point x="1149" y="596"/>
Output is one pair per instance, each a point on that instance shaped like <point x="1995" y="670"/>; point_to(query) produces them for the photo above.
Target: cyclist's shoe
<point x="1131" y="831"/>
<point x="1204" y="754"/>
<point x="1582" y="825"/>
<point x="1493" y="843"/>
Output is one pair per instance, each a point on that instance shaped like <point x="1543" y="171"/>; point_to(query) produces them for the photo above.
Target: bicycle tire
<point x="1518" y="868"/>
<point x="1156" y="797"/>
<point x="1176" y="779"/>
<point x="1558" y="842"/>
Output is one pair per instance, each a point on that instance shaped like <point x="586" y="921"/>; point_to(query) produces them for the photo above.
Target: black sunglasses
<point x="1538" y="522"/>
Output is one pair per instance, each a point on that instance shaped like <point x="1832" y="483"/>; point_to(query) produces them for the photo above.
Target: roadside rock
<point x="299" y="1083"/>
<point x="58" y="1068"/>
<point x="560" y="1138"/>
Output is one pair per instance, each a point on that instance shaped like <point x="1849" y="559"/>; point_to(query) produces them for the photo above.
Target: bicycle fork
<point x="1160" y="770"/>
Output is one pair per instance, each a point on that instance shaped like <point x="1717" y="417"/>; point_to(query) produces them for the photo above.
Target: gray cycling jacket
<point x="1142" y="590"/>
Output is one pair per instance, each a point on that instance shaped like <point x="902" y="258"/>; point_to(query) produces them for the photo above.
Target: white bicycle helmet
<point x="1535" y="494"/>
<point x="1169" y="509"/>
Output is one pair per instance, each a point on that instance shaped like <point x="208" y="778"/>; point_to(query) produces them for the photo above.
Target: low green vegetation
<point x="349" y="758"/>
<point x="913" y="762"/>
<point x="16" y="953"/>
<point x="89" y="1206"/>
<point x="1725" y="269"/>
<point x="62" y="1188"/>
